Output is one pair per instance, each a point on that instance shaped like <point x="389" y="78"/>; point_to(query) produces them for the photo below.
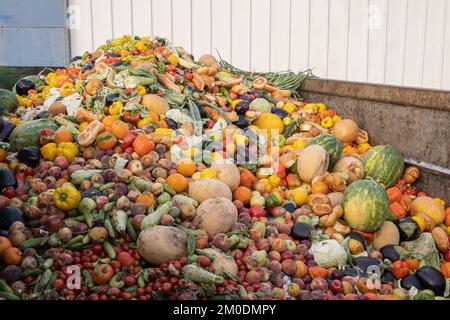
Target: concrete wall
<point x="415" y="121"/>
<point x="33" y="33"/>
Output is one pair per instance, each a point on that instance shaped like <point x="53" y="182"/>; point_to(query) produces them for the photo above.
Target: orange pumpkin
<point x="142" y="145"/>
<point x="106" y="141"/>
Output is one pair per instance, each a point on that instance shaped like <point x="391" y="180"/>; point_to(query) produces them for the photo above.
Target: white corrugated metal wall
<point x="401" y="42"/>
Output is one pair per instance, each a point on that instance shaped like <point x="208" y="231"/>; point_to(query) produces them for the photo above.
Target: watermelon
<point x="27" y="134"/>
<point x="8" y="101"/>
<point x="366" y="205"/>
<point x="332" y="146"/>
<point x="384" y="164"/>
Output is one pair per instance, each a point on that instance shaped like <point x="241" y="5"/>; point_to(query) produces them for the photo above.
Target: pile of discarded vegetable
<point x="110" y="174"/>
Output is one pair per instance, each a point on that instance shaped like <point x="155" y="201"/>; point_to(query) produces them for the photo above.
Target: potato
<point x="228" y="173"/>
<point x="222" y="262"/>
<point x="203" y="189"/>
<point x="159" y="244"/>
<point x="215" y="215"/>
<point x="386" y="234"/>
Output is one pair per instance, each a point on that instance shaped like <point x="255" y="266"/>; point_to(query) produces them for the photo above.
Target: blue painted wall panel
<point x="35" y="46"/>
<point x="33" y="13"/>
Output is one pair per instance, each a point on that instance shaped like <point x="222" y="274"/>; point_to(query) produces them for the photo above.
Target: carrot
<point x="394" y="194"/>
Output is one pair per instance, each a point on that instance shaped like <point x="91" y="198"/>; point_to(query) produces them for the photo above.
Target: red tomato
<point x="166" y="287"/>
<point x="59" y="284"/>
<point x="125" y="259"/>
<point x="9" y="192"/>
<point x="129" y="281"/>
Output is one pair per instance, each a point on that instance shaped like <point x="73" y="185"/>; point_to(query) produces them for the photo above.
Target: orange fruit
<point x="63" y="135"/>
<point x="147" y="199"/>
<point x="143" y="145"/>
<point x="109" y="120"/>
<point x="242" y="194"/>
<point x="119" y="129"/>
<point x="186" y="167"/>
<point x="5" y="243"/>
<point x="12" y="256"/>
<point x="177" y="181"/>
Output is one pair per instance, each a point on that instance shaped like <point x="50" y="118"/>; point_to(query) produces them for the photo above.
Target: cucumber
<point x="31" y="243"/>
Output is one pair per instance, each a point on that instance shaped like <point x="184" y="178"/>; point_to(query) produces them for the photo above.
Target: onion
<point x="65" y="234"/>
<point x="346" y="130"/>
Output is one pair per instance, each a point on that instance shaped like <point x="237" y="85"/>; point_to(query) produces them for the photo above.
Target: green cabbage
<point x="329" y="253"/>
<point x="261" y="105"/>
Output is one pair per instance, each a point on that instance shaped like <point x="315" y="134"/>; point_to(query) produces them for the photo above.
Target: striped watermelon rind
<point x="332" y="146"/>
<point x="384" y="164"/>
<point x="366" y="205"/>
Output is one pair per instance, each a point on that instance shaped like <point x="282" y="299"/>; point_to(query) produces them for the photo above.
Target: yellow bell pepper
<point x="440" y="202"/>
<point x="311" y="106"/>
<point x="16" y="121"/>
<point x="300" y="144"/>
<point x="67" y="197"/>
<point x="173" y="59"/>
<point x="68" y="150"/>
<point x="165" y="132"/>
<point x="142" y="122"/>
<point x="363" y="147"/>
<point x="83" y="125"/>
<point x="337" y="119"/>
<point x="289" y="107"/>
<point x="287" y="121"/>
<point x="327" y="122"/>
<point x="140" y="45"/>
<point x="49" y="151"/>
<point x="421" y="222"/>
<point x="321" y="106"/>
<point x="235" y="102"/>
<point x="115" y="108"/>
<point x="274" y="181"/>
<point x="208" y="173"/>
<point x="67" y="89"/>
<point x="140" y="89"/>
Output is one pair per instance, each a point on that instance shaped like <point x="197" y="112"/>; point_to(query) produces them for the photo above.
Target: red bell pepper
<point x="46" y="136"/>
<point x="128" y="140"/>
<point x="131" y="116"/>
